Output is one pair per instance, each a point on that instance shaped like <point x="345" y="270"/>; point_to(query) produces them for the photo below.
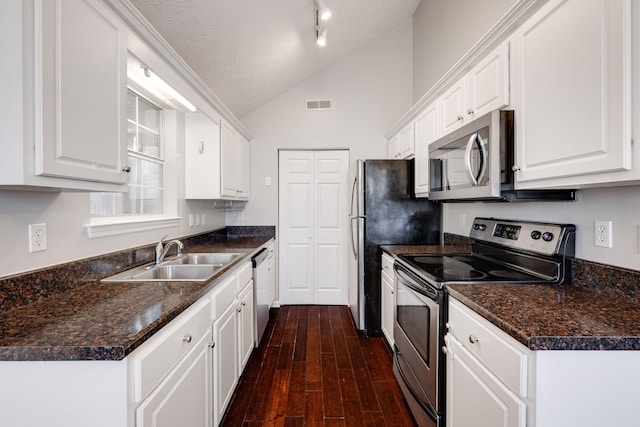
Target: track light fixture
<point x="322" y="13"/>
<point x="321" y="36"/>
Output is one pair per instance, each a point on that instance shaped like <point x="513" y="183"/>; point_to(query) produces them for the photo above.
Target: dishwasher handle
<point x="257" y="259"/>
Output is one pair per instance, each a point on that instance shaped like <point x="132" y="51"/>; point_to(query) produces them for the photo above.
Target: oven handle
<point x="409" y="282"/>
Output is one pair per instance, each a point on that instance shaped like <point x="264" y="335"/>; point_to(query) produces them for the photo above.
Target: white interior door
<point x="313" y="226"/>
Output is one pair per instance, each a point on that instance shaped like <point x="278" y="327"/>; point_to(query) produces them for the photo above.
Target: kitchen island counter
<point x="86" y="319"/>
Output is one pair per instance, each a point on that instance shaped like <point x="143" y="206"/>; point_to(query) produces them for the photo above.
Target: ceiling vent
<point x="324" y="104"/>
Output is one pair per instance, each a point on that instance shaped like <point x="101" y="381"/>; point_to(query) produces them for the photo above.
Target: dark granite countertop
<point x="96" y="320"/>
<point x="551" y="317"/>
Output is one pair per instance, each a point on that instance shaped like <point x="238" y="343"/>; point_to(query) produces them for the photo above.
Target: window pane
<point x="148" y="143"/>
<point x="132" y="137"/>
<point x="145" y="185"/>
<point x="148" y="115"/>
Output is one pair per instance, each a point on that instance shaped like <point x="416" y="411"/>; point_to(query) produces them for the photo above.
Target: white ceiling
<point x="250" y="51"/>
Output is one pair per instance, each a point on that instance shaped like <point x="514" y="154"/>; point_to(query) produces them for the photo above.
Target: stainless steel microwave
<point x="475" y="163"/>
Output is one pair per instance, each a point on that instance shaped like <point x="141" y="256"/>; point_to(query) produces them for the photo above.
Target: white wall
<point x="369" y="89"/>
<point x="443" y="31"/>
<point x="620" y="205"/>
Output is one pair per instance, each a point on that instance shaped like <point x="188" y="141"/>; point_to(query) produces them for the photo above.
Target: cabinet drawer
<point x="501" y="354"/>
<point x="244" y="274"/>
<point x="223" y="296"/>
<point x="164" y="350"/>
<point x="387" y="265"/>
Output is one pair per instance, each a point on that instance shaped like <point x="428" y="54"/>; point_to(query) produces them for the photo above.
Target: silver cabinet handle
<point x="473" y="339"/>
<point x="212" y="344"/>
<point x="460" y="117"/>
<point x="470" y="111"/>
<point x="515" y="168"/>
<point x="200" y="147"/>
<point x="126" y="169"/>
<point x="187" y="338"/>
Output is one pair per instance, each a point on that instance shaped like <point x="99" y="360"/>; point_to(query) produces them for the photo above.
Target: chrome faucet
<point x="161" y="250"/>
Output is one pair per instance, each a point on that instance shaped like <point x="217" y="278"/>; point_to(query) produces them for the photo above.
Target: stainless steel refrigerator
<point x="384" y="211"/>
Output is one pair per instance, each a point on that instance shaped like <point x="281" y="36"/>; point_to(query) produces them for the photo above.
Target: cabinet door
<point x="225" y="361"/>
<point x="244" y="167"/>
<point x="475" y="397"/>
<point x="184" y="398"/>
<point x="246" y="337"/>
<point x="406" y="148"/>
<point x="572" y="64"/>
<point x="202" y="157"/>
<point x="426" y="131"/>
<point x="229" y="164"/>
<point x="452" y="104"/>
<point x="393" y="151"/>
<point x="80" y="74"/>
<point x="487" y="83"/>
<point x="388" y="307"/>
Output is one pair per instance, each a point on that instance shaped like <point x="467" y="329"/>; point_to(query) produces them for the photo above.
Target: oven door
<point x="417" y="337"/>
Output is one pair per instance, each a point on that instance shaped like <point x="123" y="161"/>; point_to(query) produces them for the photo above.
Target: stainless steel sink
<point x="178" y="272"/>
<point x="205" y="258"/>
<point x="193" y="267"/>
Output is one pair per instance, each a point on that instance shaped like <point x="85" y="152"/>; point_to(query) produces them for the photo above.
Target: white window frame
<point x="103" y="226"/>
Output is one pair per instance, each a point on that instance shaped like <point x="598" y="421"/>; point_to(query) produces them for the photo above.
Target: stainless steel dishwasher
<point x="261" y="276"/>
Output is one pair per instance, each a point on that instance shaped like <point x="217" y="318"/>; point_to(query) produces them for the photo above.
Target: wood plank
<point x="277" y="401"/>
<point x="331" y="387"/>
<point x="376" y="370"/>
<point x="296" y="396"/>
<point x="313" y="408"/>
<point x="300" y="353"/>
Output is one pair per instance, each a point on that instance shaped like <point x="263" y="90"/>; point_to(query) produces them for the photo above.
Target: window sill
<point x="104" y="227"/>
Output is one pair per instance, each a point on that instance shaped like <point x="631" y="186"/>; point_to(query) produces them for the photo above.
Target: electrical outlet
<point x="37" y="237"/>
<point x="603" y="231"/>
<point x="197" y="220"/>
<point x="192" y="220"/>
<point x="204" y="219"/>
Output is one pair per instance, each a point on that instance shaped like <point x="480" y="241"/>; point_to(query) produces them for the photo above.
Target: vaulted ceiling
<point x="250" y="51"/>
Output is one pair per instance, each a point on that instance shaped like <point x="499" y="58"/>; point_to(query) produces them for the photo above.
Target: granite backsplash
<point x="25" y="288"/>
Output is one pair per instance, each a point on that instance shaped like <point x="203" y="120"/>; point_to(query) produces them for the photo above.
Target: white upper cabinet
<point x="483" y="89"/>
<point x="572" y="80"/>
<point x="202" y="157"/>
<point x="426" y="131"/>
<point x="69" y="130"/>
<point x="216" y="160"/>
<point x="235" y="158"/>
<point x="401" y="145"/>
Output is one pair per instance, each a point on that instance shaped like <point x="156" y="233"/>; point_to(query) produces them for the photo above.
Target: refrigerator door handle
<point x="353" y="242"/>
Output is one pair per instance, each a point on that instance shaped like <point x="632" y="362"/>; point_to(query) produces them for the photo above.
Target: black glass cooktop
<point x="464" y="268"/>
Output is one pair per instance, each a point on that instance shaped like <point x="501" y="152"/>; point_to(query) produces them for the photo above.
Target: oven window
<point x="413" y="315"/>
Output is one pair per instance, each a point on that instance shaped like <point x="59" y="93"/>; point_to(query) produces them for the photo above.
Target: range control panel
<point x="537" y="237"/>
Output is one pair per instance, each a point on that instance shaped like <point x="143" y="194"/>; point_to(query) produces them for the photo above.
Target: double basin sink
<point x="193" y="267"/>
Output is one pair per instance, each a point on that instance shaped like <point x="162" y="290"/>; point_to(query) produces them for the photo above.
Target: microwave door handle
<point x="467" y="160"/>
<point x="475" y="139"/>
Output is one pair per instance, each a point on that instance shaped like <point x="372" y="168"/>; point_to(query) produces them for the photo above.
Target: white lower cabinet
<point x="388" y="298"/>
<point x="246" y="338"/>
<point x="486" y="373"/>
<point x="493" y="380"/>
<point x="225" y="361"/>
<point x="233" y="335"/>
<point x="184" y="398"/>
<point x="474" y="394"/>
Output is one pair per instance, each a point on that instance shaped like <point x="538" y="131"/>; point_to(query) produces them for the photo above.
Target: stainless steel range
<point x="502" y="251"/>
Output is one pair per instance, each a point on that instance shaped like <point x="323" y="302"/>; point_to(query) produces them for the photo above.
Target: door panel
<point x="313" y="227"/>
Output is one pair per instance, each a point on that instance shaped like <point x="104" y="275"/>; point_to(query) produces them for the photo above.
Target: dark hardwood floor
<point x="313" y="369"/>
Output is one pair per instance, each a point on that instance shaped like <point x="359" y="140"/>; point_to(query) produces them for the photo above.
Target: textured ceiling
<point x="250" y="51"/>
